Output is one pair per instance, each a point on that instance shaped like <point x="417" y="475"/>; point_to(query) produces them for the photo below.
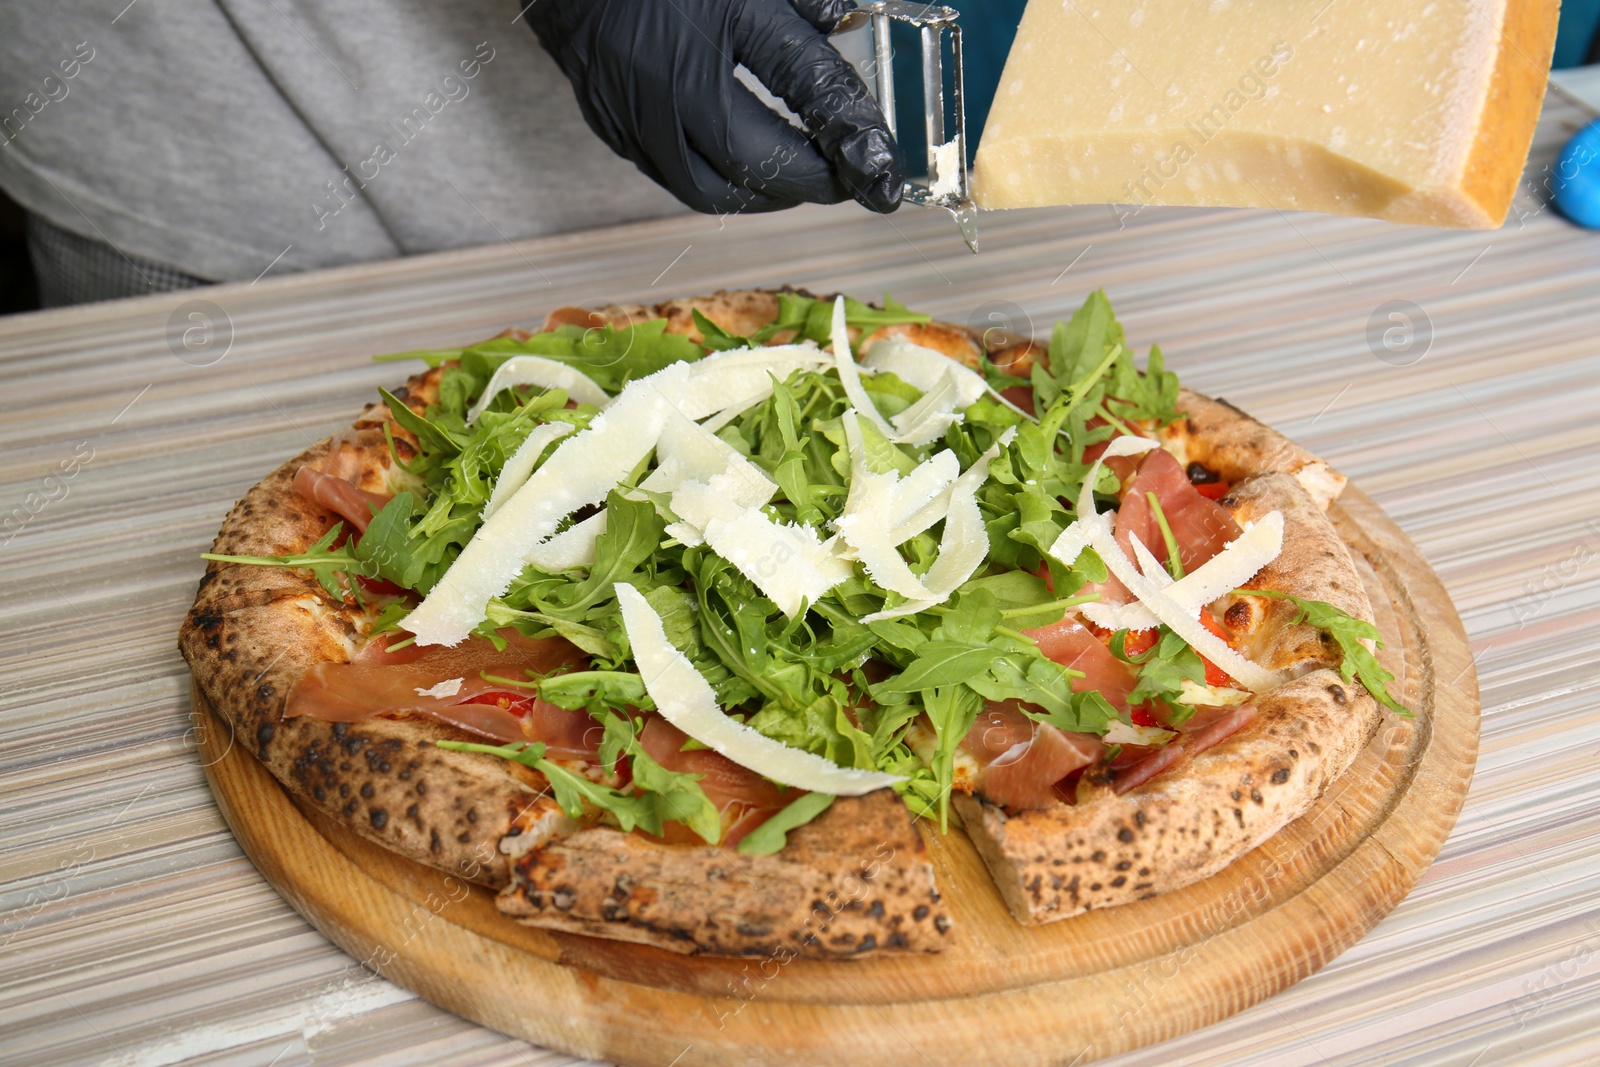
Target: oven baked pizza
<point x="682" y="625"/>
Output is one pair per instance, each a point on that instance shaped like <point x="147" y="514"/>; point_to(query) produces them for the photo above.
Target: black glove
<point x="655" y="79"/>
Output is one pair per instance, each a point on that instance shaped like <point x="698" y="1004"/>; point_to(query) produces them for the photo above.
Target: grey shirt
<point x="223" y="137"/>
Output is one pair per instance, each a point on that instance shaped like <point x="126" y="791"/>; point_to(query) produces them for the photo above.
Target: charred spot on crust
<point x="1337" y="692"/>
<point x="1280" y="776"/>
<point x="379" y="818"/>
<point x="1125" y="835"/>
<point x="1237" y="617"/>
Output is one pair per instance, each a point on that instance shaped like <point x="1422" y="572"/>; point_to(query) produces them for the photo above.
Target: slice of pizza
<point x="680" y="625"/>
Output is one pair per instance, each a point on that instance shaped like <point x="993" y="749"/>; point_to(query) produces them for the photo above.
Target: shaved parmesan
<point x="1121" y="733"/>
<point x="581" y="471"/>
<point x="687" y="451"/>
<point x="786" y="561"/>
<point x="686" y="700"/>
<point x="545" y="373"/>
<point x="1149" y="591"/>
<point x="928" y="419"/>
<point x="850" y="373"/>
<point x="448" y="688"/>
<point x="743" y="377"/>
<point x="964" y="544"/>
<point x="1213" y="696"/>
<point x="1240" y="560"/>
<point x="921" y="497"/>
<point x="571" y="549"/>
<point x="522" y="462"/>
<point x="923" y="368"/>
<point x="869" y="540"/>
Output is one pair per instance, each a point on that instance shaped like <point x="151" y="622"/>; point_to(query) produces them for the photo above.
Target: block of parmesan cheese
<point x="1416" y="111"/>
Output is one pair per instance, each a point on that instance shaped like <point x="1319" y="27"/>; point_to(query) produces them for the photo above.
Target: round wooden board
<point x="1065" y="993"/>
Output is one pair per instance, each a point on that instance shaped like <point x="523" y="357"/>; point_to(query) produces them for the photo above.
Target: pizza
<point x="683" y="625"/>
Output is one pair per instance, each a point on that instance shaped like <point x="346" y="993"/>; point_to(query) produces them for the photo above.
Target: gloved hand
<point x="655" y="79"/>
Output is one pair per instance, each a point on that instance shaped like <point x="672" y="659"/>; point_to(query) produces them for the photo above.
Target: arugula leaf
<point x="1348" y="632"/>
<point x="716" y="338"/>
<point x="938" y="663"/>
<point x="677" y="796"/>
<point x="596" y="691"/>
<point x="951" y="709"/>
<point x="527" y="753"/>
<point x="1174" y="557"/>
<point x="1162" y="672"/>
<point x="335" y="569"/>
<point x="772" y="835"/>
<point x="433" y="438"/>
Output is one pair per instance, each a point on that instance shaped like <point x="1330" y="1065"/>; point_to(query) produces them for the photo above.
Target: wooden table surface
<point x="134" y="931"/>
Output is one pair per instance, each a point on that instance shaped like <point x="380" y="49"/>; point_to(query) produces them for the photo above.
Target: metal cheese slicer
<point x="948" y="184"/>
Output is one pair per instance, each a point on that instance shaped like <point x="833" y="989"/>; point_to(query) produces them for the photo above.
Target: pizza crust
<point x="1206" y="811"/>
<point x="856" y="881"/>
<point x="853" y="882"/>
<point x="253" y="631"/>
<point x="1224" y="439"/>
<point x="1185" y="824"/>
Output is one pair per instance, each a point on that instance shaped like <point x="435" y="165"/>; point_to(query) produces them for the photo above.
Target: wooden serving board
<point x="1064" y="993"/>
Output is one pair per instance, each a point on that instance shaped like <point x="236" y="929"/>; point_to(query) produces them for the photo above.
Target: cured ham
<point x="1134" y="767"/>
<point x="743" y="797"/>
<point x="339" y="495"/>
<point x="1073" y="645"/>
<point x="1200" y="526"/>
<point x="1023" y="759"/>
<point x="446" y="684"/>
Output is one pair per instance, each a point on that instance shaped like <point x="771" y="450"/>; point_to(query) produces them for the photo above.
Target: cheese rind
<point x="1417" y="111"/>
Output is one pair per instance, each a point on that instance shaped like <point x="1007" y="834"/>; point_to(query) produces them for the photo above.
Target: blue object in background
<point x="1575" y="181"/>
<point x="1576" y="35"/>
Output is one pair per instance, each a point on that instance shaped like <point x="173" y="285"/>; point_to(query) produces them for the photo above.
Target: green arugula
<point x="1163" y="668"/>
<point x="1348" y="632"/>
<point x="822" y="682"/>
<point x="772" y="835"/>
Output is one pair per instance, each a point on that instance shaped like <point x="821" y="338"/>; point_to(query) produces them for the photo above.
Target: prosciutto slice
<point x="340" y="496"/>
<point x="446" y="684"/>
<point x="1207" y="729"/>
<point x="1023" y="759"/>
<point x="743" y="797"/>
<point x="1071" y="644"/>
<point x="1200" y="526"/>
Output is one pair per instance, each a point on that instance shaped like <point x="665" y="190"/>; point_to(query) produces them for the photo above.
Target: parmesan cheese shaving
<point x="571" y="549"/>
<point x="545" y="373"/>
<point x="743" y="377"/>
<point x="1121" y="733"/>
<point x="928" y="418"/>
<point x="447" y="688"/>
<point x="522" y="462"/>
<point x="686" y="700"/>
<point x="850" y="373"/>
<point x="581" y="471"/>
<point x="923" y="368"/>
<point x="786" y="561"/>
<point x="687" y="451"/>
<point x="1148" y="591"/>
<point x="1240" y="560"/>
<point x="1215" y="696"/>
<point x="964" y="544"/>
